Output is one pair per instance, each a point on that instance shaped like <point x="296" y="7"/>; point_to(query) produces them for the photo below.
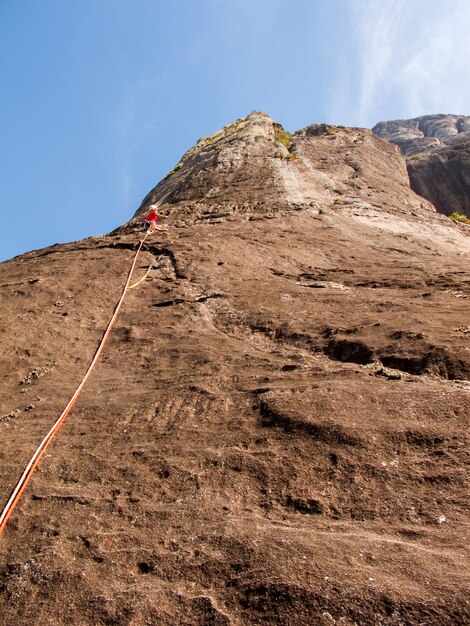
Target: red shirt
<point x="152" y="216"/>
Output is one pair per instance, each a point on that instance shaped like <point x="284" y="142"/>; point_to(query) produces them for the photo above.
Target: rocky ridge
<point x="437" y="151"/>
<point x="255" y="168"/>
<point x="277" y="430"/>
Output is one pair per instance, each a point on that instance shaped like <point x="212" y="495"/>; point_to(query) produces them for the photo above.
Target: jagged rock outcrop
<point x="420" y="134"/>
<point x="275" y="433"/>
<point x="254" y="168"/>
<point x="437" y="148"/>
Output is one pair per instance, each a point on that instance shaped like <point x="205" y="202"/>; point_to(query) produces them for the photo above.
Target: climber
<point x="151" y="219"/>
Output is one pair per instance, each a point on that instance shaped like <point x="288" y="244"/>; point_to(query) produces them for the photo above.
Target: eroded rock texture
<point x="254" y="168"/>
<point x="437" y="151"/>
<point x="276" y="432"/>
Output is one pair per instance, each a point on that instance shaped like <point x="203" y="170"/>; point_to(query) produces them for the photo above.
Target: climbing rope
<point x="26" y="476"/>
<point x="142" y="279"/>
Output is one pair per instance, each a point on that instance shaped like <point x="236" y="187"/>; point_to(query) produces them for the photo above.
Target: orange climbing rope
<point x="26" y="476"/>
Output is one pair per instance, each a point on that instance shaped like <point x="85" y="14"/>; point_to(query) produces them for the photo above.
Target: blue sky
<point x="100" y="98"/>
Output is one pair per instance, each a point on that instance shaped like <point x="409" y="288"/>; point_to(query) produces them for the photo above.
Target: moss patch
<point x="282" y="136"/>
<point x="459" y="217"/>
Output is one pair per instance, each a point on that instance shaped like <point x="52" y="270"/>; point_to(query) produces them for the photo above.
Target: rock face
<point x="254" y="168"/>
<point x="275" y="433"/>
<point x="428" y="132"/>
<point x="437" y="148"/>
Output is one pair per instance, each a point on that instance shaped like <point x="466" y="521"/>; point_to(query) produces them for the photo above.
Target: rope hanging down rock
<point x="26" y="476"/>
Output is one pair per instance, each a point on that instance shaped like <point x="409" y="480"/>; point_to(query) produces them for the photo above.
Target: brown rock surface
<point x="276" y="432"/>
<point x="244" y="172"/>
<point x="437" y="149"/>
<point x="443" y="176"/>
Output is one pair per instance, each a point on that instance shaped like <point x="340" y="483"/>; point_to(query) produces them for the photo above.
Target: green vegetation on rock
<point x="282" y="136"/>
<point x="326" y="129"/>
<point x="459" y="217"/>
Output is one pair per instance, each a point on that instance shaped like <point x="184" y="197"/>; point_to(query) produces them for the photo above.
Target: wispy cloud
<point x="413" y="56"/>
<point x="435" y="76"/>
<point x="377" y="25"/>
